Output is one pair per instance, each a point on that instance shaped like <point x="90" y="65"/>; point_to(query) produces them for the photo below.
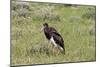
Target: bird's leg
<point x="50" y="45"/>
<point x="55" y="51"/>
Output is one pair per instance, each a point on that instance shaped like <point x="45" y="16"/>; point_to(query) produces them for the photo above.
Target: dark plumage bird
<point x="54" y="37"/>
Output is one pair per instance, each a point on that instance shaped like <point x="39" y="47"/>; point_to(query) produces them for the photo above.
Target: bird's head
<point x="45" y="25"/>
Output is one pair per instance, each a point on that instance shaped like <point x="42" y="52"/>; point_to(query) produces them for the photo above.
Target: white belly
<point x="53" y="42"/>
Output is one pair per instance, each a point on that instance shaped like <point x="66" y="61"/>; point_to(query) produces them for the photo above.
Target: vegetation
<point x="75" y="23"/>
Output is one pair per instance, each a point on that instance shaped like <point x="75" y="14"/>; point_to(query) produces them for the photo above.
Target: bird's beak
<point x="42" y="29"/>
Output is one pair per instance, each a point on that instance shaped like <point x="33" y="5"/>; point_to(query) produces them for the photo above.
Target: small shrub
<point x="46" y="14"/>
<point x="21" y="9"/>
<point x="23" y="12"/>
<point x="90" y="14"/>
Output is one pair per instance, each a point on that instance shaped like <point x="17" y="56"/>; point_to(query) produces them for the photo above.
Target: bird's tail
<point x="62" y="50"/>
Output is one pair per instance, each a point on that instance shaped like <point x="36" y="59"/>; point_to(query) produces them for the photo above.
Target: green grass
<point x="29" y="45"/>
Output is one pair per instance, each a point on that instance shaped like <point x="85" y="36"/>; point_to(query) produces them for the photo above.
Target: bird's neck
<point x="46" y="28"/>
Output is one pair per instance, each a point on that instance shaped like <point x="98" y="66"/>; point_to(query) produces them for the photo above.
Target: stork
<point x="54" y="37"/>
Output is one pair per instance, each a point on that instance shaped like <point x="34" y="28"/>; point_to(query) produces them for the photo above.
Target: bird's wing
<point x="59" y="36"/>
<point x="58" y="39"/>
<point x="52" y="29"/>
